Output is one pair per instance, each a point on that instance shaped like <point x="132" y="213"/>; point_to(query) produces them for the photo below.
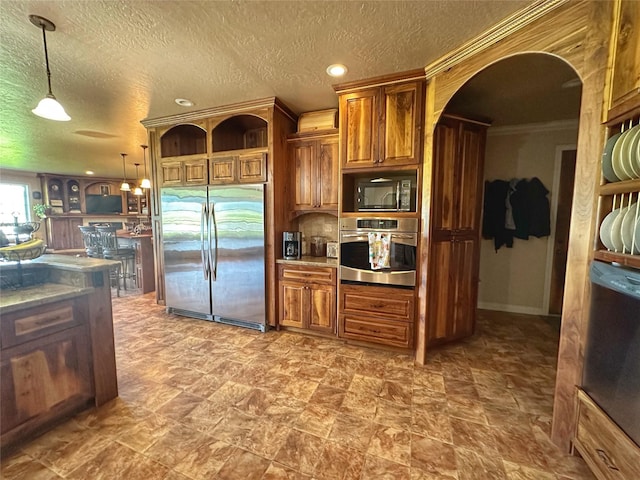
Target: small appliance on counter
<point x="318" y="246"/>
<point x="332" y="249"/>
<point x="291" y="245"/>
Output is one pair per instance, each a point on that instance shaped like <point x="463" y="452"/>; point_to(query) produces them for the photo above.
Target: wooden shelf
<point x="625" y="186"/>
<point x="626" y="107"/>
<point x="624" y="259"/>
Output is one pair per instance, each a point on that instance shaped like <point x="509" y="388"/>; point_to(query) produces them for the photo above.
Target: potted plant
<point x="41" y="210"/>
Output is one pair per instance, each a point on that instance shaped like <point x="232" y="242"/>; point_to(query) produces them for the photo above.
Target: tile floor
<point x="199" y="400"/>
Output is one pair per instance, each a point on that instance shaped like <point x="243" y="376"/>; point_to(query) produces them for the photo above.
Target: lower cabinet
<point x="607" y="450"/>
<point x="45" y="368"/>
<point x="377" y="314"/>
<point x="63" y="233"/>
<point x="307" y="297"/>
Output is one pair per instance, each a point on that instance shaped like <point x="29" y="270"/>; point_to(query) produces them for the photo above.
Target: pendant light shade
<point x="137" y="190"/>
<point x="124" y="186"/>
<point x="146" y="183"/>
<point x="48" y="107"/>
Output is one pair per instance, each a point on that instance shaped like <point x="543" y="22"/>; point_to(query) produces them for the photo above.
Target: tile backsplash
<point x="317" y="224"/>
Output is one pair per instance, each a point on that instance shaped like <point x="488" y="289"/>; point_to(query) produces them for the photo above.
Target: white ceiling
<point x="115" y="63"/>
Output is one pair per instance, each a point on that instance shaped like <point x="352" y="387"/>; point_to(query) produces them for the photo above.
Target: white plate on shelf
<point x="637" y="235"/>
<point x="617" y="159"/>
<point x="607" y="154"/>
<point x="632" y="151"/>
<point x="605" y="229"/>
<point x="627" y="229"/>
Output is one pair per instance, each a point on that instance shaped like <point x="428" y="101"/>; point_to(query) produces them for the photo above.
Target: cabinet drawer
<point x="387" y="332"/>
<point x="18" y="328"/>
<point x="387" y="302"/>
<point x="609" y="453"/>
<point x="306" y="274"/>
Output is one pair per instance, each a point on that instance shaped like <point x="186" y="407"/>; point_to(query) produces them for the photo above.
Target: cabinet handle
<point x="46" y="321"/>
<point x="606" y="460"/>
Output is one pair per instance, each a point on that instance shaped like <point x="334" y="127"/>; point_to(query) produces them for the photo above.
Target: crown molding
<point x="554" y="126"/>
<point x="493" y="35"/>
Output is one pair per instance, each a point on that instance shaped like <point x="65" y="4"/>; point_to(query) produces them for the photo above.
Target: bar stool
<point x="112" y="251"/>
<point x="93" y="249"/>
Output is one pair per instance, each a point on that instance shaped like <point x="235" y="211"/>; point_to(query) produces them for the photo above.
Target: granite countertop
<point x="36" y="295"/>
<point x="311" y="261"/>
<point x="65" y="262"/>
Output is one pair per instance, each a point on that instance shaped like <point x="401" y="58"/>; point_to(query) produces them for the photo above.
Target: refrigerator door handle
<point x="213" y="225"/>
<point x="205" y="262"/>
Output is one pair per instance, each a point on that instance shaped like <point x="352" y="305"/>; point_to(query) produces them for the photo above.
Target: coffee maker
<point x="291" y="245"/>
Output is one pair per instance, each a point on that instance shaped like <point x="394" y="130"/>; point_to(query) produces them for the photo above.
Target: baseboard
<point x="500" y="307"/>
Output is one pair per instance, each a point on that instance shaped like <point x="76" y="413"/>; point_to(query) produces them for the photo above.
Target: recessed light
<point x="336" y="70"/>
<point x="184" y="102"/>
<point x="89" y="172"/>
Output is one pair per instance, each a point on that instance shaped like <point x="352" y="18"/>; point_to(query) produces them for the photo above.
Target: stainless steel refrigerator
<point x="213" y="244"/>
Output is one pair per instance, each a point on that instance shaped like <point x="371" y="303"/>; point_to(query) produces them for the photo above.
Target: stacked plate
<point x="621" y="156"/>
<point x="620" y="230"/>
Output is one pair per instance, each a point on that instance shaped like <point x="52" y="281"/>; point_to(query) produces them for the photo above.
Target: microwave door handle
<point x="398" y="196"/>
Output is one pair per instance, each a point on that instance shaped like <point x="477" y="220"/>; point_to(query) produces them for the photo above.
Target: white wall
<point x="516" y="279"/>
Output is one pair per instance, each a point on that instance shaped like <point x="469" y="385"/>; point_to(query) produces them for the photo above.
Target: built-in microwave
<point x="386" y="194"/>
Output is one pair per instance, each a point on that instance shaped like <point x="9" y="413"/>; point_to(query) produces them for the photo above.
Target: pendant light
<point x="125" y="186"/>
<point x="48" y="107"/>
<point x="146" y="183"/>
<point x="137" y="190"/>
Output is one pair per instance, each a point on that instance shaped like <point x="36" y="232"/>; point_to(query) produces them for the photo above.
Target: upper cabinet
<point x="315" y="172"/>
<point x="183" y="140"/>
<point x="381" y="121"/>
<point x="183" y="155"/>
<point x="626" y="80"/>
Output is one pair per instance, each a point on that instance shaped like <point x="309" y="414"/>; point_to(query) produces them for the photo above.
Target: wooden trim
<point x="379" y="81"/>
<point x="508" y="26"/>
<point x="624" y="259"/>
<point x="627" y="106"/>
<point x="465" y="119"/>
<point x="616" y="188"/>
<point x="315" y="135"/>
<point x="233" y="109"/>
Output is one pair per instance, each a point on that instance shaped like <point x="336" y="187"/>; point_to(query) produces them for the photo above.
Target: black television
<point x="103" y="203"/>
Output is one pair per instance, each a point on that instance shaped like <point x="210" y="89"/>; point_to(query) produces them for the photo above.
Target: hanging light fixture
<point x="48" y="107"/>
<point x="125" y="186"/>
<point x="145" y="183"/>
<point x="137" y="190"/>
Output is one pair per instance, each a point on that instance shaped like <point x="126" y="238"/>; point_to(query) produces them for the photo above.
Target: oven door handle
<point x="354" y="237"/>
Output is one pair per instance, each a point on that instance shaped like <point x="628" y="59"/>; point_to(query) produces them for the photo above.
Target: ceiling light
<point x="184" y="102"/>
<point x="124" y="186"/>
<point x="48" y="107"/>
<point x="145" y="183"/>
<point x="336" y="70"/>
<point x="137" y="191"/>
<point x="89" y="172"/>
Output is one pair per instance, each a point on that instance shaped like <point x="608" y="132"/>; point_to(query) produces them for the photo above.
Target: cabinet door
<point x="75" y="235"/>
<point x="328" y="174"/>
<point x="64" y="234"/>
<point x="171" y="173"/>
<point x="223" y="170"/>
<point x="359" y="128"/>
<point x="292" y="304"/>
<point x="41" y="379"/>
<point x="195" y="172"/>
<point x="402" y="127"/>
<point x="252" y="168"/>
<point x="303" y="155"/>
<point x="322" y="308"/>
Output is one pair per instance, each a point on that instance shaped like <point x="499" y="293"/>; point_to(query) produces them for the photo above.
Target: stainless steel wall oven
<point x="400" y="237"/>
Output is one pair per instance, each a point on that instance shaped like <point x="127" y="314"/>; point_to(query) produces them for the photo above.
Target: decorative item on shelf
<point x="137" y="190"/>
<point x="125" y="185"/>
<point x="41" y="210"/>
<point x="48" y="107"/>
<point x="146" y="183"/>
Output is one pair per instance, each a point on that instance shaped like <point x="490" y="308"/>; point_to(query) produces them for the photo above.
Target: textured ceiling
<point x="115" y="63"/>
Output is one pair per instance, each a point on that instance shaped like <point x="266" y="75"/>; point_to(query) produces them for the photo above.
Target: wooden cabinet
<point x="381" y="126"/>
<point x="63" y="233"/>
<point x="143" y="262"/>
<point x="381" y="315"/>
<point x="458" y="164"/>
<point x="45" y="367"/>
<point x="626" y="81"/>
<point x="183" y="172"/>
<point x="607" y="450"/>
<point x="315" y="172"/>
<point x="246" y="167"/>
<point x="307" y="297"/>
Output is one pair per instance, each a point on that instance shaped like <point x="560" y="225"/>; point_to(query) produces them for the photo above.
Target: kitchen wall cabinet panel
<point x="455" y="229"/>
<point x="183" y="172"/>
<point x="63" y="233"/>
<point x="315" y="173"/>
<point x="380" y="315"/>
<point x="381" y="126"/>
<point x="307" y="297"/>
<point x="250" y="167"/>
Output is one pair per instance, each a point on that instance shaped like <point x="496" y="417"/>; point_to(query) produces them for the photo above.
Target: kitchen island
<point x="56" y="342"/>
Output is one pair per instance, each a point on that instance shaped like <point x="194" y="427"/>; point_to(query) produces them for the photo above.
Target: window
<point x="14" y="204"/>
